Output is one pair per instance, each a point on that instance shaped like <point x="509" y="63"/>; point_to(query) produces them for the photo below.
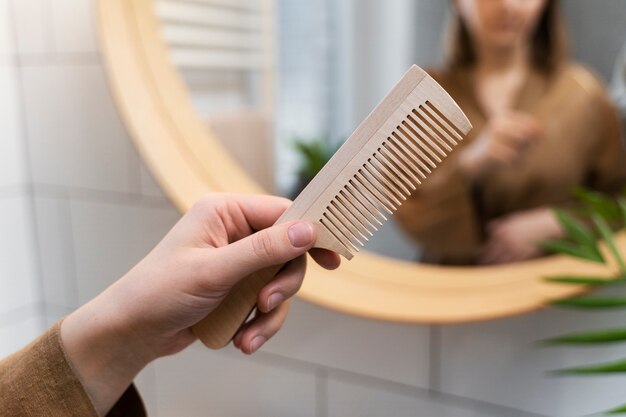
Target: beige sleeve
<point x="608" y="165"/>
<point x="441" y="217"/>
<point x="39" y="381"/>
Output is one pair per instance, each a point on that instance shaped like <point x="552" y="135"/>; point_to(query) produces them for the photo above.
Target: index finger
<point x="261" y="211"/>
<point x="529" y="125"/>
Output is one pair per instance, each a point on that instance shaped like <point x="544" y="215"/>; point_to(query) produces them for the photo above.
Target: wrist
<point x="105" y="353"/>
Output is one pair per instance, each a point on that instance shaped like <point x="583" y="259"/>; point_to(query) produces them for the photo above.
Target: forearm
<point x="105" y="353"/>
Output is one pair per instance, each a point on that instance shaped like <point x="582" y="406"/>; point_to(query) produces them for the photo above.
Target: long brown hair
<point x="548" y="42"/>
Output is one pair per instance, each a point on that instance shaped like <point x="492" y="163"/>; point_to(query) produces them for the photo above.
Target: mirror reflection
<point x="298" y="77"/>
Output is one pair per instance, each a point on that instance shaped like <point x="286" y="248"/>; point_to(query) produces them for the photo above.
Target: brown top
<point x="39" y="381"/>
<point x="447" y="215"/>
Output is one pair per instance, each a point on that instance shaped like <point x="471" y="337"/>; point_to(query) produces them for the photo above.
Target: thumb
<point x="272" y="246"/>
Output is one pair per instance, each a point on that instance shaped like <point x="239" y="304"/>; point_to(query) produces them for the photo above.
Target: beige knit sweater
<point x="39" y="381"/>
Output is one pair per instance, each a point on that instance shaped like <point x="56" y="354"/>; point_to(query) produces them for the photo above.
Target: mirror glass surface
<point x="189" y="74"/>
<point x="310" y="71"/>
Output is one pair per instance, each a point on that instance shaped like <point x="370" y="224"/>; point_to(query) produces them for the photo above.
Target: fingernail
<point x="300" y="234"/>
<point x="256" y="343"/>
<point x="274" y="300"/>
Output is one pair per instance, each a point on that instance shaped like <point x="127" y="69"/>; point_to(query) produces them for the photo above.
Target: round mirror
<point x="193" y="144"/>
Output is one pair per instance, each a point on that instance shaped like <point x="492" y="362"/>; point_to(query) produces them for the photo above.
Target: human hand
<point x="516" y="237"/>
<point x="504" y="142"/>
<point x="149" y="312"/>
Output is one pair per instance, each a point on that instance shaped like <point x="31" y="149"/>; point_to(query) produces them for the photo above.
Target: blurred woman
<point x="619" y="82"/>
<point x="542" y="126"/>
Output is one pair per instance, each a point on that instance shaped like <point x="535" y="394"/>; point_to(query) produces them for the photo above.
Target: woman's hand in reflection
<point x="516" y="237"/>
<point x="149" y="312"/>
<point x="504" y="142"/>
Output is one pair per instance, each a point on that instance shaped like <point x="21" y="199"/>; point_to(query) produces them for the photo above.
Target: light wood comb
<point x="391" y="152"/>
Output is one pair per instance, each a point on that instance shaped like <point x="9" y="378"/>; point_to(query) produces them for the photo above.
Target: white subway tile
<point x="145" y="183"/>
<point x="146" y="385"/>
<point x="55" y="313"/>
<point x="74" y="26"/>
<point x="350" y="399"/>
<point x="33" y="26"/>
<point x="500" y="362"/>
<point x="201" y="382"/>
<point x="15" y="336"/>
<point x="110" y="238"/>
<point x="7" y="48"/>
<point x="12" y="158"/>
<point x="18" y="270"/>
<point x="149" y="185"/>
<point x="76" y="137"/>
<point x="54" y="233"/>
<point x="396" y="352"/>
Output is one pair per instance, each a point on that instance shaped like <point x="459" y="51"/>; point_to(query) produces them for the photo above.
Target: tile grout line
<point x="303" y="366"/>
<point x="13" y="190"/>
<point x="465" y="403"/>
<point x="27" y="164"/>
<point x="133" y="164"/>
<point x="60" y="59"/>
<point x="20" y="314"/>
<point x="434" y="358"/>
<point x="475" y="405"/>
<point x="74" y="296"/>
<point x="101" y="196"/>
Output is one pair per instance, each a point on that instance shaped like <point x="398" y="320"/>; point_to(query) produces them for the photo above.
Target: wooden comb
<point x="395" y="148"/>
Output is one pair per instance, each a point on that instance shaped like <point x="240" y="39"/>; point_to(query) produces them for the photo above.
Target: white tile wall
<point x="34" y="26"/>
<point x="6" y="32"/>
<point x="73" y="23"/>
<point x="110" y="238"/>
<point x="12" y="158"/>
<point x="75" y="135"/>
<point x="54" y="313"/>
<point x="148" y="184"/>
<point x="352" y="399"/>
<point x="54" y="233"/>
<point x="17" y="335"/>
<point x="200" y="382"/>
<point x="499" y="362"/>
<point x="396" y="352"/>
<point x="146" y="384"/>
<point x="18" y="272"/>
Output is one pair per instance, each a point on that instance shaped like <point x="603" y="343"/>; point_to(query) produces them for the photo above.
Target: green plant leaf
<point x="596" y="202"/>
<point x="575" y="229"/>
<point x="615" y="411"/>
<point x="605" y="368"/>
<point x="591" y="302"/>
<point x="607" y="236"/>
<point x="568" y="248"/>
<point x="589" y="338"/>
<point x="593" y="281"/>
<point x="314" y="154"/>
<point x="622" y="205"/>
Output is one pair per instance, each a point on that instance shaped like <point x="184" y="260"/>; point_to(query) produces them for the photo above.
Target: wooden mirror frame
<point x="188" y="162"/>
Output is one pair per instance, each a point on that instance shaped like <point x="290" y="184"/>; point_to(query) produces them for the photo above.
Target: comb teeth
<point x="387" y="157"/>
<point x="411" y="151"/>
